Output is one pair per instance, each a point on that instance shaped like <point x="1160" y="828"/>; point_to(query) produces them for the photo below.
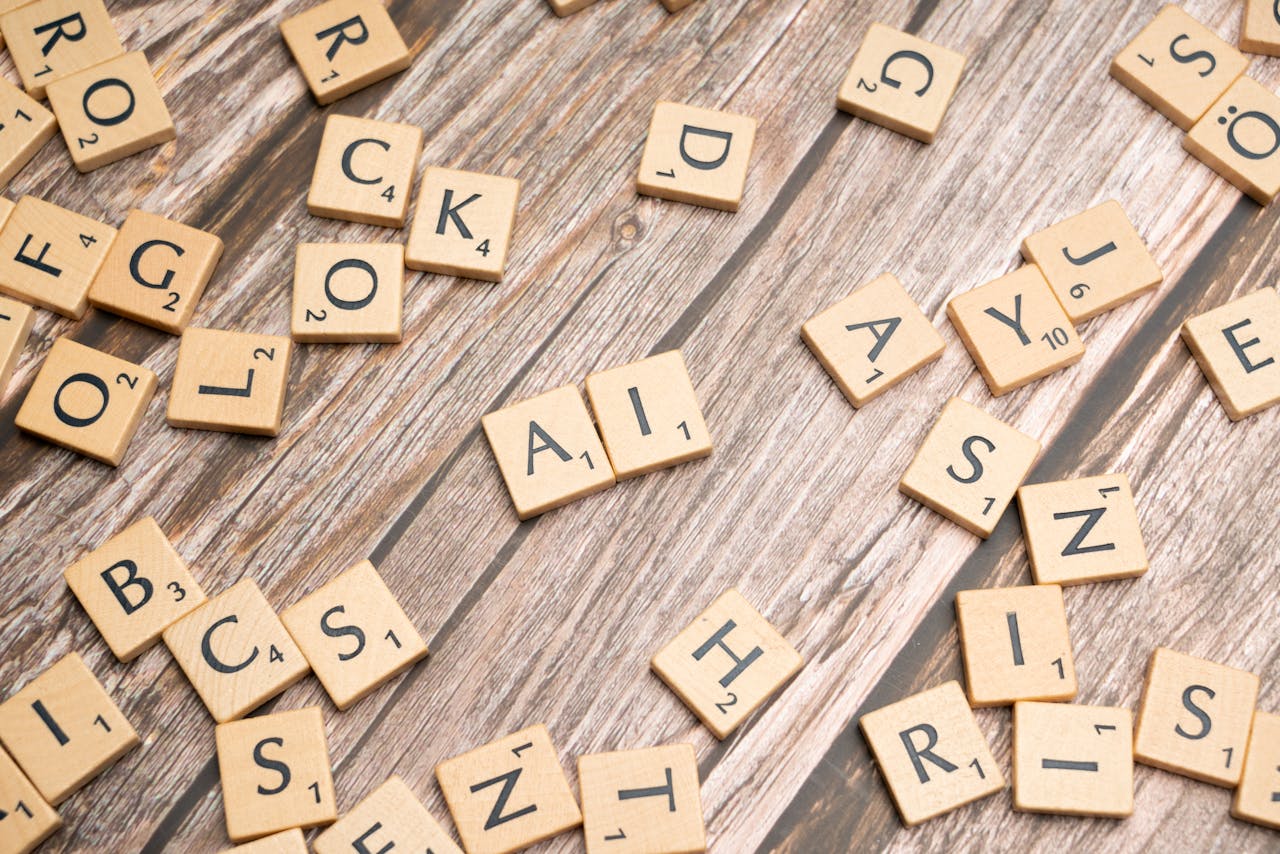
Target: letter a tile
<point x="696" y="156"/>
<point x="1082" y="530"/>
<point x="1239" y="138"/>
<point x="1258" y="795"/>
<point x="26" y="819"/>
<point x="49" y="256"/>
<point x="390" y="818"/>
<point x="642" y="801"/>
<point x="463" y="224"/>
<point x="343" y="46"/>
<point x="1072" y="760"/>
<point x="1015" y="645"/>
<point x="1237" y="346"/>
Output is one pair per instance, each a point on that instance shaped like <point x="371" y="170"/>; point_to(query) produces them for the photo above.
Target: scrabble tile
<point x="1260" y="27"/>
<point x="1072" y="760"/>
<point x="390" y="818"/>
<point x="63" y="729"/>
<point x="16" y="320"/>
<point x="1239" y="138"/>
<point x="568" y="7"/>
<point x="1258" y="795"/>
<point x="1093" y="261"/>
<point x="726" y="663"/>
<point x="110" y="111"/>
<point x="969" y="467"/>
<point x="7" y="6"/>
<point x="1015" y="645"/>
<point x="156" y="271"/>
<point x="51" y="39"/>
<point x="1238" y="348"/>
<point x="230" y="381"/>
<point x="1178" y="66"/>
<point x="133" y="587"/>
<point x="931" y="753"/>
<point x="901" y="82"/>
<point x="26" y="819"/>
<point x="87" y="401"/>
<point x="285" y="842"/>
<point x="1015" y="329"/>
<point x="25" y="126"/>
<point x="548" y="451"/>
<point x="648" y="415"/>
<point x="675" y="5"/>
<point x="50" y="255"/>
<point x="872" y="339"/>
<point x="696" y="156"/>
<point x="463" y="224"/>
<point x="275" y="773"/>
<point x="642" y="801"/>
<point x="348" y="292"/>
<point x="1082" y="530"/>
<point x="364" y="171"/>
<point x="354" y="634"/>
<point x="235" y="651"/>
<point x="6" y="208"/>
<point x="343" y="46"/>
<point x="1195" y="717"/>
<point x="509" y="793"/>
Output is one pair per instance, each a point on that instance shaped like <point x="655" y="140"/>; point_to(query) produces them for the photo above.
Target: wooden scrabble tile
<point x="50" y="255"/>
<point x="675" y="5"/>
<point x="1015" y="329"/>
<point x="696" y="156"/>
<point x="87" y="401"/>
<point x="642" y="801"/>
<point x="1258" y="795"/>
<point x="1239" y="138"/>
<point x="7" y="6"/>
<point x="390" y="818"/>
<point x="275" y="773"/>
<point x="969" y="467"/>
<point x="348" y="292"/>
<point x="1260" y="27"/>
<point x="6" y="208"/>
<point x="156" y="271"/>
<point x="509" y="793"/>
<point x="235" y="651"/>
<point x="344" y="45"/>
<point x="463" y="224"/>
<point x="285" y="842"/>
<point x="63" y="729"/>
<point x="1015" y="645"/>
<point x="726" y="663"/>
<point x="1238" y="348"/>
<point x="548" y="451"/>
<point x="51" y="39"/>
<point x="364" y="171"/>
<point x="872" y="339"/>
<point x="230" y="381"/>
<point x="1072" y="760"/>
<point x="16" y="320"/>
<point x="1195" y="717"/>
<point x="1093" y="261"/>
<point x="1082" y="530"/>
<point x="110" y="111"/>
<point x="133" y="587"/>
<point x="26" y="819"/>
<point x="25" y="126"/>
<point x="568" y="7"/>
<point x="1178" y="66"/>
<point x="931" y="752"/>
<point x="648" y="415"/>
<point x="354" y="634"/>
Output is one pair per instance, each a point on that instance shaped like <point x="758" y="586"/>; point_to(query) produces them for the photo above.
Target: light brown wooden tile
<point x="1239" y="138"/>
<point x="1015" y="645"/>
<point x="1260" y="27"/>
<point x="63" y="729"/>
<point x="7" y="6"/>
<point x="872" y="339"/>
<point x="1178" y="66"/>
<point x="1195" y="717"/>
<point x="344" y="45"/>
<point x="1237" y="346"/>
<point x="364" y="170"/>
<point x="26" y="819"/>
<point x="390" y="818"/>
<point x="696" y="156"/>
<point x="548" y="451"/>
<point x="1015" y="329"/>
<point x="726" y="663"/>
<point x="1082" y="530"/>
<point x="51" y="39"/>
<point x="235" y="651"/>
<point x="50" y="255"/>
<point x="675" y="5"/>
<point x="25" y="126"/>
<point x="648" y="415"/>
<point x="275" y="773"/>
<point x="87" y="401"/>
<point x="1072" y="760"/>
<point x="1257" y="797"/>
<point x="931" y="753"/>
<point x="16" y="320"/>
<point x="463" y="224"/>
<point x="969" y="467"/>
<point x="348" y="293"/>
<point x="234" y="382"/>
<point x="568" y="7"/>
<point x="642" y="801"/>
<point x="6" y="208"/>
<point x="285" y="842"/>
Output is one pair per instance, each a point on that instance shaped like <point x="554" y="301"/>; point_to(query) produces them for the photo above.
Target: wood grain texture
<point x="553" y="620"/>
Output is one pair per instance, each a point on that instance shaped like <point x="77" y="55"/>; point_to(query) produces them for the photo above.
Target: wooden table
<point x="554" y="620"/>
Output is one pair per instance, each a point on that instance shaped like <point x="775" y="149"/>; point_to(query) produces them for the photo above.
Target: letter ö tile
<point x="1239" y="138"/>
